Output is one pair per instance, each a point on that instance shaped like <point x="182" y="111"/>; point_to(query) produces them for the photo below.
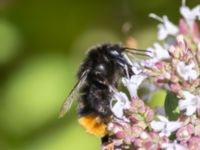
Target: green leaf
<point x="157" y="98"/>
<point x="171" y="103"/>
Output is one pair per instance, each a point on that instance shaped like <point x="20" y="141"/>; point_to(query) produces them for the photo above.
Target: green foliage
<point x="71" y="136"/>
<point x="157" y="98"/>
<point x="171" y="103"/>
<point x="34" y="94"/>
<point x="10" y="41"/>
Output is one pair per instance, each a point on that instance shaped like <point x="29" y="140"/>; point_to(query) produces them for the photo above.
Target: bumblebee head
<point x="116" y="51"/>
<point x="117" y="54"/>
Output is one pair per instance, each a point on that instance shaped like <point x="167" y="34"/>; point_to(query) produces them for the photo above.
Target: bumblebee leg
<point x="105" y="139"/>
<point x="109" y="146"/>
<point x="106" y="142"/>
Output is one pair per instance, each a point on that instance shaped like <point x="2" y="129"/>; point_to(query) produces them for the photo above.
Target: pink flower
<point x="194" y="143"/>
<point x="120" y="134"/>
<point x="137" y="105"/>
<point x="192" y="31"/>
<point x="149" y="114"/>
<point x="183" y="27"/>
<point x="184" y="133"/>
<point x="175" y="87"/>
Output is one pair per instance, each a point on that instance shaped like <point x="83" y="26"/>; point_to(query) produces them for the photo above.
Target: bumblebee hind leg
<point x="107" y="143"/>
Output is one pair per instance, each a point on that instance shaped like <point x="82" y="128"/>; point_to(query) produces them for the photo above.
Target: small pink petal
<point x="183" y="27"/>
<point x="120" y="134"/>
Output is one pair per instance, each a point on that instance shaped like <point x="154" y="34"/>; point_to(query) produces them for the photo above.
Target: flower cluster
<point x="174" y="66"/>
<point x="178" y="69"/>
<point x="135" y="132"/>
<point x="188" y="135"/>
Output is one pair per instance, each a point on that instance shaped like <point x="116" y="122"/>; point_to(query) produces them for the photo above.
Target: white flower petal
<point x="161" y="53"/>
<point x="157" y="125"/>
<point x="196" y="11"/>
<point x="164" y="133"/>
<point x="190" y="103"/>
<point x="171" y="28"/>
<point x="158" y="53"/>
<point x="162" y="32"/>
<point x="187" y="95"/>
<point x="183" y="104"/>
<point x="166" y="27"/>
<point x="190" y="14"/>
<point x="120" y="96"/>
<point x="121" y="103"/>
<point x="172" y="146"/>
<point x="187" y="72"/>
<point x="164" y="126"/>
<point x="149" y="62"/>
<point x="133" y="83"/>
<point x="117" y="109"/>
<point x="136" y="68"/>
<point x="190" y="110"/>
<point x="173" y="126"/>
<point x="163" y="119"/>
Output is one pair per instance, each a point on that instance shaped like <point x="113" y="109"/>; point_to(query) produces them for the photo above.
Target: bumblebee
<point x="98" y="75"/>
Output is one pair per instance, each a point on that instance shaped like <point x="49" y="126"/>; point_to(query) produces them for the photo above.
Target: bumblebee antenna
<point x="136" y="49"/>
<point x="139" y="54"/>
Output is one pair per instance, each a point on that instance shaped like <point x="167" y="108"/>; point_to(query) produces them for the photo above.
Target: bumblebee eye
<point x="114" y="53"/>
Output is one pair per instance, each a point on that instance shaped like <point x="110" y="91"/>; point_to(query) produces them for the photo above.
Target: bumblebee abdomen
<point x="94" y="99"/>
<point x="93" y="109"/>
<point x="93" y="125"/>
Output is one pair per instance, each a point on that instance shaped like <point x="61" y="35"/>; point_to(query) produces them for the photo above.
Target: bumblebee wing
<point x="73" y="95"/>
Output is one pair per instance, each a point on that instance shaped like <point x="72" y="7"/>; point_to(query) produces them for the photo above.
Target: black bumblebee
<point x="97" y="77"/>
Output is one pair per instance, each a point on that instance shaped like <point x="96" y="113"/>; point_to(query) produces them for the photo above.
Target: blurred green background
<point x="42" y="43"/>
